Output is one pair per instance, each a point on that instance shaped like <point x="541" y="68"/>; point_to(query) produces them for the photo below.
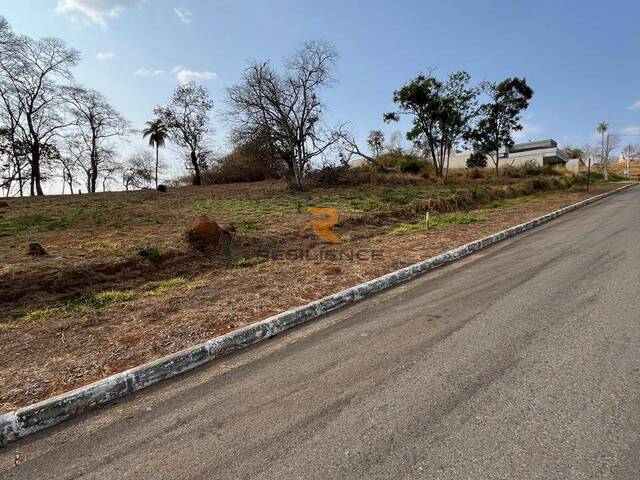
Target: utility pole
<point x="588" y="174"/>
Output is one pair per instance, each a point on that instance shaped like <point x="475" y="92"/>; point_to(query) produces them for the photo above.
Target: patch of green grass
<point x="343" y="200"/>
<point x="37" y="222"/>
<point x="9" y="327"/>
<point x="436" y="222"/>
<point x="496" y="204"/>
<point x="247" y="262"/>
<point x="241" y="206"/>
<point x="364" y="204"/>
<point x="103" y="248"/>
<point x="244" y="226"/>
<point x="154" y="218"/>
<point x="41" y="315"/>
<point x="599" y="177"/>
<point x="400" y="196"/>
<point x="408" y="228"/>
<point x="95" y="301"/>
<point x="96" y="216"/>
<point x="454" y="219"/>
<point x="152" y="252"/>
<point x="164" y="286"/>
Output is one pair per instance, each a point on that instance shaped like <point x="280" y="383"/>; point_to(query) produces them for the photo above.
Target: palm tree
<point x="602" y="129"/>
<point x="157" y="133"/>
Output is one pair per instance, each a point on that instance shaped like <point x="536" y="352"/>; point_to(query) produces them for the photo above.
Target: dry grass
<point x="119" y="286"/>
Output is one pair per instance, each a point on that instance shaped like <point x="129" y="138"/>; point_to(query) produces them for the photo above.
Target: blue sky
<point x="580" y="57"/>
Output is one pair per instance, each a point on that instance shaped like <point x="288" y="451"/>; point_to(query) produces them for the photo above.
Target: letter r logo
<point x="322" y="227"/>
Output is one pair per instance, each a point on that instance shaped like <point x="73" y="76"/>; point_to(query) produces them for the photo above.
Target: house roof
<point x="537" y="145"/>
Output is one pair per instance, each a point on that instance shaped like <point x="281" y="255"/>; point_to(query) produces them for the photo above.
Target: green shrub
<point x="409" y="165"/>
<point x="477" y="160"/>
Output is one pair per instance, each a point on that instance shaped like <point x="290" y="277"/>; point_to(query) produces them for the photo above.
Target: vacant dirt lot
<point x="119" y="285"/>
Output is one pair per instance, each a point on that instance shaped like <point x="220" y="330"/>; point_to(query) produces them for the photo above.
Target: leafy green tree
<point x="186" y="118"/>
<point x="500" y="117"/>
<point x="574" y="152"/>
<point x="157" y="133"/>
<point x="441" y="113"/>
<point x="375" y="140"/>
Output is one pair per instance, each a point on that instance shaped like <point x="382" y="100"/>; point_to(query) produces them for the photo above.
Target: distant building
<point x="541" y="152"/>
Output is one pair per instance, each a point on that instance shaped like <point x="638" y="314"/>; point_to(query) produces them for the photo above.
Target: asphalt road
<point x="520" y="362"/>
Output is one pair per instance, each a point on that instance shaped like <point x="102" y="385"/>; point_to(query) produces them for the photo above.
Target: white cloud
<point x="184" y="15"/>
<point x="145" y="72"/>
<point x="185" y="75"/>
<point x="631" y="130"/>
<point x="528" y="131"/>
<point x="104" y="56"/>
<point x="94" y="11"/>
<point x="634" y="105"/>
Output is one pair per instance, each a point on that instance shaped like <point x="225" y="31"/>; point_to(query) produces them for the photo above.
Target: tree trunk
<point x="157" y="165"/>
<point x="94" y="165"/>
<point x="36" y="175"/>
<point x="20" y="179"/>
<point x="197" y="178"/>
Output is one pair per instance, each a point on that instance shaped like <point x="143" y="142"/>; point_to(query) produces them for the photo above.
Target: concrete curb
<point x="41" y="415"/>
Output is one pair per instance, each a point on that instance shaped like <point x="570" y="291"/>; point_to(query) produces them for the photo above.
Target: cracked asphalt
<point x="520" y="362"/>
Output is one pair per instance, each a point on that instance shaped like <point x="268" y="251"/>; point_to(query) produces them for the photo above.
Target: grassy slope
<point x="120" y="286"/>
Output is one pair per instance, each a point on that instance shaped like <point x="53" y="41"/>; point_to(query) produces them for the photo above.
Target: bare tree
<point x="15" y="160"/>
<point x="139" y="170"/>
<point x="96" y="124"/>
<point x="631" y="152"/>
<point x="109" y="171"/>
<point x="589" y="151"/>
<point x="187" y="120"/>
<point x="283" y="113"/>
<point x="31" y="75"/>
<point x="73" y="161"/>
<point x="611" y="144"/>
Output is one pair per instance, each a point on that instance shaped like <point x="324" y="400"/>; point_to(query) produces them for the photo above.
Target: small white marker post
<point x="426" y="219"/>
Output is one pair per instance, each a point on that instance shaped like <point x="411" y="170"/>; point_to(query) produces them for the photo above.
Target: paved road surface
<point x="520" y="362"/>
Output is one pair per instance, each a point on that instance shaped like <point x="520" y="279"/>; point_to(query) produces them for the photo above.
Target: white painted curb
<point x="30" y="419"/>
